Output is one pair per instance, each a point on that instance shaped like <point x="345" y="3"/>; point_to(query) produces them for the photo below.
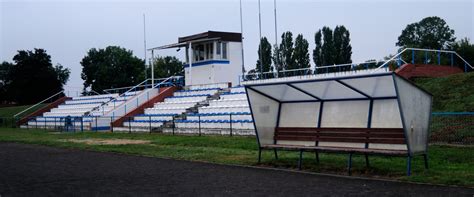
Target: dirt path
<point x="30" y="170"/>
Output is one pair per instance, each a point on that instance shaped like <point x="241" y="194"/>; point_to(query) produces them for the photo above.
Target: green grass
<point x="451" y="94"/>
<point x="11" y="111"/>
<point x="448" y="165"/>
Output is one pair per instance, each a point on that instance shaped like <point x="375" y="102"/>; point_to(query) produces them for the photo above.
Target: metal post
<point x="190" y="63"/>
<point x="426" y="57"/>
<point x="452" y="59"/>
<point x="260" y="39"/>
<point x="409" y="166"/>
<point x="349" y="165"/>
<point x="55" y="123"/>
<point x="129" y="124"/>
<point x="465" y="67"/>
<point x="82" y="123"/>
<point x="300" y="161"/>
<point x="111" y="124"/>
<point x="242" y="41"/>
<point x="412" y="56"/>
<point x="199" y="123"/>
<point x="149" y="118"/>
<point x="173" y="125"/>
<point x="439" y="58"/>
<point x="96" y="126"/>
<point x="230" y="120"/>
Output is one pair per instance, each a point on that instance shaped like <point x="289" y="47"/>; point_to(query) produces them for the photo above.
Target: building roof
<point x="224" y="36"/>
<point x="203" y="37"/>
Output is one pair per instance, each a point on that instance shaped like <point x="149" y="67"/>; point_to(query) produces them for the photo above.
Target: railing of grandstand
<point x="429" y="56"/>
<point x="350" y="67"/>
<point x="143" y="85"/>
<point x="173" y="80"/>
<point x="413" y="55"/>
<point x="37" y="105"/>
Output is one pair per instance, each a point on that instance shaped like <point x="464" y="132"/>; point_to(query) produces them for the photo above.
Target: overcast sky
<point x="68" y="29"/>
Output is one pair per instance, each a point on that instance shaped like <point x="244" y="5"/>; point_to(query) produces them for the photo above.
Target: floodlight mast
<point x="260" y="40"/>
<point x="242" y="39"/>
<point x="144" y="42"/>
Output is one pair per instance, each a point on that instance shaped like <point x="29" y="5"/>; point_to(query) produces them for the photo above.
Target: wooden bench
<point x="366" y="136"/>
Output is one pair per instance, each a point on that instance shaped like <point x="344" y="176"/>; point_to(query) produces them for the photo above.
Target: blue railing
<point x="404" y="56"/>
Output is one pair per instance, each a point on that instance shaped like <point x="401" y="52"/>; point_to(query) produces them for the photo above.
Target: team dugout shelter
<point x="375" y="114"/>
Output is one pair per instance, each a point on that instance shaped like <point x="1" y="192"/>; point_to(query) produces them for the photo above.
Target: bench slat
<point x="339" y="129"/>
<point x="341" y="134"/>
<point x="343" y="139"/>
<point x="337" y="149"/>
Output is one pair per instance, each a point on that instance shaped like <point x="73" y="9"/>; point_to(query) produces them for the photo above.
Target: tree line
<point x="332" y="47"/>
<point x="32" y="77"/>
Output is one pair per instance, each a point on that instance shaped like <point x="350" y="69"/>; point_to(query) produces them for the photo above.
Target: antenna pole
<point x="260" y="40"/>
<point x="144" y="44"/>
<point x="242" y="41"/>
<point x="276" y="32"/>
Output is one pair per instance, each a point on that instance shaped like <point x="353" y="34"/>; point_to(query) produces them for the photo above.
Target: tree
<point x="342" y="45"/>
<point x="264" y="54"/>
<point x="167" y="66"/>
<point x="301" y="54"/>
<point x="277" y="58"/>
<point x="317" y="56"/>
<point x="5" y="69"/>
<point x="33" y="78"/>
<point x="111" y="67"/>
<point x="430" y="33"/>
<point x="332" y="47"/>
<point x="465" y="49"/>
<point x="328" y="51"/>
<point x="286" y="49"/>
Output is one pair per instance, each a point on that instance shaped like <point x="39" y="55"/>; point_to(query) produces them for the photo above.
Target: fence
<point x="452" y="128"/>
<point x="446" y="127"/>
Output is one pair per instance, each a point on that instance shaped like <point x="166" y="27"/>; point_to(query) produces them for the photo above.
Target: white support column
<point x="190" y="63"/>
<point x="152" y="69"/>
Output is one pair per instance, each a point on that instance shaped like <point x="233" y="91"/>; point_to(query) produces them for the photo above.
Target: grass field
<point x="451" y="94"/>
<point x="448" y="165"/>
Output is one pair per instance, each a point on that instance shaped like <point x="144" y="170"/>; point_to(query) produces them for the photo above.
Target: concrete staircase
<point x="410" y="71"/>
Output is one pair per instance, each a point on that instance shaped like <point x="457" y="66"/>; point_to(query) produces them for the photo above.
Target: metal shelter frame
<point x="412" y="141"/>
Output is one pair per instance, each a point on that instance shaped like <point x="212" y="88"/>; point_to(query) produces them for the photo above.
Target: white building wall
<point x="218" y="72"/>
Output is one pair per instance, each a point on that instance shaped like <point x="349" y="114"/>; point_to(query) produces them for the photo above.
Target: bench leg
<point x="300" y="161"/>
<point x="349" y="164"/>
<point x="276" y="154"/>
<point x="425" y="157"/>
<point x="367" y="164"/>
<point x="259" y="155"/>
<point x="317" y="156"/>
<point x="408" y="165"/>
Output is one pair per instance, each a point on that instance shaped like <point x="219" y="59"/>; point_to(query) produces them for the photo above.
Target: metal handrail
<point x="398" y="55"/>
<point x="156" y="85"/>
<point x="14" y="116"/>
<point x="133" y="88"/>
<point x="317" y="67"/>
<point x="426" y="50"/>
<point x="136" y="86"/>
